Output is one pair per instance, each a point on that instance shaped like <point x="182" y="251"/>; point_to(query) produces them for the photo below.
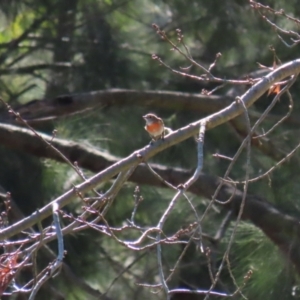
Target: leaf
<point x="274" y="89"/>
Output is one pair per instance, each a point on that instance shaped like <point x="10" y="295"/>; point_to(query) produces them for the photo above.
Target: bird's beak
<point x="145" y="117"/>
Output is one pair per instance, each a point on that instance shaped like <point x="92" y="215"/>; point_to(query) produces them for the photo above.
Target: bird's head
<point x="151" y="118"/>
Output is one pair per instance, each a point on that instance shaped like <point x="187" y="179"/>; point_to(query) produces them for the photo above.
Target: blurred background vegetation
<point x="49" y="48"/>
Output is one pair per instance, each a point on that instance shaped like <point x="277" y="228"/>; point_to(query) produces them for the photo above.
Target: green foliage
<point x="271" y="277"/>
<point x="109" y="44"/>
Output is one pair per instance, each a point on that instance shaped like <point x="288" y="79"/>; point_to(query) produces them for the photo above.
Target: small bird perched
<point x="155" y="127"/>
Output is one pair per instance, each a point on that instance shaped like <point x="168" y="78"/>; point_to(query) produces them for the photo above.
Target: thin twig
<point x="57" y="264"/>
<point x="181" y="190"/>
<point x="241" y="209"/>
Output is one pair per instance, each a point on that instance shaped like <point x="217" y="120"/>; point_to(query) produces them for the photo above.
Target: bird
<point x="154" y="126"/>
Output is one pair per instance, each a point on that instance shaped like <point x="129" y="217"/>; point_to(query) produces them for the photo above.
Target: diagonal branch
<point x="283" y="230"/>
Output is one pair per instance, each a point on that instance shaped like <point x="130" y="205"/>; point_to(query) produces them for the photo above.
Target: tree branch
<point x="69" y="104"/>
<point x="283" y="230"/>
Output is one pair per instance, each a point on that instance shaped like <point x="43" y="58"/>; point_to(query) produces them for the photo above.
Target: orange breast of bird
<point x="155" y="128"/>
